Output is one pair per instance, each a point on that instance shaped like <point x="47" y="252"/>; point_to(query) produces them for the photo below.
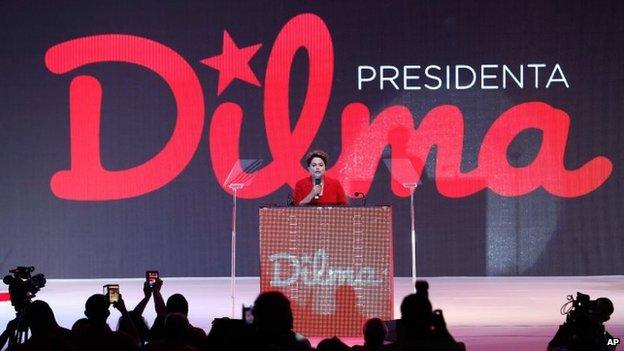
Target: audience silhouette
<point x="332" y="344"/>
<point x="273" y="322"/>
<point x="176" y="303"/>
<point x="96" y="335"/>
<point x="134" y="322"/>
<point x="420" y="327"/>
<point x="46" y="333"/>
<point x="270" y="330"/>
<point x="375" y="332"/>
<point x="175" y="335"/>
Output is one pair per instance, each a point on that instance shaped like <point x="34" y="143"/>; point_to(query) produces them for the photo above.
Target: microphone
<point x="358" y="194"/>
<point x="317" y="181"/>
<point x="290" y="201"/>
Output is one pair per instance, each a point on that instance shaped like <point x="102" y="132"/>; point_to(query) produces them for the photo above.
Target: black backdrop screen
<point x="123" y="124"/>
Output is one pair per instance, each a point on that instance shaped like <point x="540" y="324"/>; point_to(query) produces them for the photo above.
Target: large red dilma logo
<point x="363" y="137"/>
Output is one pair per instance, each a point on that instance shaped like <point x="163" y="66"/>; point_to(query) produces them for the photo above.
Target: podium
<point x="335" y="264"/>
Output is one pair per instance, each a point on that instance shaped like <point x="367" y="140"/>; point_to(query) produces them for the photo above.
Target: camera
<point x="584" y="325"/>
<point x="23" y="286"/>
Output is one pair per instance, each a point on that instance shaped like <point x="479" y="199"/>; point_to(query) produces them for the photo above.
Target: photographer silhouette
<point x="584" y="328"/>
<point x="22" y="288"/>
<point x="421" y="327"/>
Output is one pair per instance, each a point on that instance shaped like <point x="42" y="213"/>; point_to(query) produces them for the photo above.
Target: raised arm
<point x="147" y="293"/>
<point x="130" y="328"/>
<point x="159" y="303"/>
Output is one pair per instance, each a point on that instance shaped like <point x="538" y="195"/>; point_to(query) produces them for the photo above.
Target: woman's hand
<point x="316" y="190"/>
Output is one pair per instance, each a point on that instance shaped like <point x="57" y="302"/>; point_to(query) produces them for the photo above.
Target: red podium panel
<point x="334" y="264"/>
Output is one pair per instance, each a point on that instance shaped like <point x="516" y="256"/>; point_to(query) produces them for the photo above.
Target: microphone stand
<point x="241" y="174"/>
<point x="412" y="188"/>
<point x="235" y="187"/>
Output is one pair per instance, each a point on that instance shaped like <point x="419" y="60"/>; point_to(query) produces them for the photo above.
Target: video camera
<point x="23" y="286"/>
<point x="584" y="326"/>
<point x="585" y="311"/>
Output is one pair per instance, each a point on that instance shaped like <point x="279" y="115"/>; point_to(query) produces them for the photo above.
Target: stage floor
<point x="486" y="313"/>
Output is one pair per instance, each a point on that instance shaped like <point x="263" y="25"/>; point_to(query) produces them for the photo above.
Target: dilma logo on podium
<point x="334" y="264"/>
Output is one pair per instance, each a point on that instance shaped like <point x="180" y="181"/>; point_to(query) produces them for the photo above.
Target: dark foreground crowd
<point x="419" y="328"/>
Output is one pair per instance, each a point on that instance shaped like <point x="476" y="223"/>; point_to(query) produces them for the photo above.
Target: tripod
<point x="20" y="334"/>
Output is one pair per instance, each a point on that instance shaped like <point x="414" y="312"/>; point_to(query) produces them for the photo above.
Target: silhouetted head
<point x="176" y="326"/>
<point x="139" y="323"/>
<point x="41" y="318"/>
<point x="177" y="303"/>
<point x="332" y="344"/>
<point x="272" y="312"/>
<point x="375" y="332"/>
<point x="417" y="306"/>
<point x="81" y="323"/>
<point x="602" y="310"/>
<point x="96" y="309"/>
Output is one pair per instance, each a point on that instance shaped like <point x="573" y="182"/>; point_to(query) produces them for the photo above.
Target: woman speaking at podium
<point x="318" y="189"/>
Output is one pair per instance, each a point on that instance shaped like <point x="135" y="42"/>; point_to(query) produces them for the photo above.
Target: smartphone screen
<point x="151" y="277"/>
<point x="112" y="292"/>
<point x="247" y="315"/>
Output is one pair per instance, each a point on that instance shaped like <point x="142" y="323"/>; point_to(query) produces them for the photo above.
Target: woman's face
<point x="316" y="167"/>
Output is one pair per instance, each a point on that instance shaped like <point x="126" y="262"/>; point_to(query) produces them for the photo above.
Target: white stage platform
<point x="486" y="313"/>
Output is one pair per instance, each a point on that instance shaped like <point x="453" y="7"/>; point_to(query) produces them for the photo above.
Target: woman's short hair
<point x="316" y="153"/>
